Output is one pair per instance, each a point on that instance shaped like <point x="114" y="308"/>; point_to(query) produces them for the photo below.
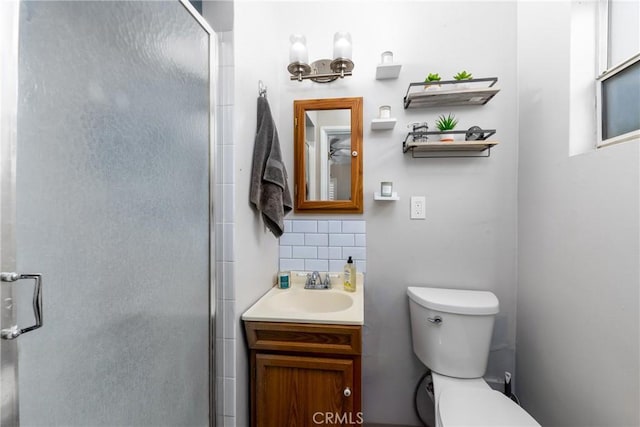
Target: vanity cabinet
<point x="304" y="374"/>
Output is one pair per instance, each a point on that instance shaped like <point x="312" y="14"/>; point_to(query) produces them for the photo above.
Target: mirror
<point x="328" y="155"/>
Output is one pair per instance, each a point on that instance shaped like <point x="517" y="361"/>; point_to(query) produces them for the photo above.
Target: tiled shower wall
<point x="323" y="245"/>
<point x="225" y="227"/>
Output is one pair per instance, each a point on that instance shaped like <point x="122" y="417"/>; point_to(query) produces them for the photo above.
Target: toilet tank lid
<point x="456" y="301"/>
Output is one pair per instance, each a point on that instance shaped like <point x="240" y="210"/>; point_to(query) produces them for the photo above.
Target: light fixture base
<point x="321" y="71"/>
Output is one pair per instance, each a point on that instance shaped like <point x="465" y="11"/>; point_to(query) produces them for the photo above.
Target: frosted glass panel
<point x="621" y="102"/>
<point x="624" y="31"/>
<point x="113" y="209"/>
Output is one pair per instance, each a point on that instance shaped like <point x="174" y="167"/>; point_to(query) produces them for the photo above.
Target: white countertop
<point x="299" y="305"/>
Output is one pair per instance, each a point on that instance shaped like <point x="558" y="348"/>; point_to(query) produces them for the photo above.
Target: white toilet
<point x="451" y="331"/>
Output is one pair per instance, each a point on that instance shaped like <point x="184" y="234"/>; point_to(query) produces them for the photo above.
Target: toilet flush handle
<point x="437" y="320"/>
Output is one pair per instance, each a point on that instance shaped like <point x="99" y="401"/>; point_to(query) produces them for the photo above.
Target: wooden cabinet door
<point x="300" y="391"/>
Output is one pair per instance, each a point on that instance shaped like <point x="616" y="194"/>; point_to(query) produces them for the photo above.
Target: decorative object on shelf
<point x="384" y="112"/>
<point x="387" y="69"/>
<point x="451" y="93"/>
<point x="432" y="79"/>
<point x="322" y="70"/>
<point x="384" y="120"/>
<point x="474" y="133"/>
<point x="419" y="127"/>
<point x="463" y="77"/>
<point x="444" y="124"/>
<point x="386" y="188"/>
<point x="419" y="133"/>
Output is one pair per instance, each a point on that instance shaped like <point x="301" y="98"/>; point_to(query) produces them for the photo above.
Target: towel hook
<point x="262" y="89"/>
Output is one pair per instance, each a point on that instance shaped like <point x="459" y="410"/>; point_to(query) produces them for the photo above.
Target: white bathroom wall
<point x="256" y="249"/>
<point x="469" y="237"/>
<point x="578" y="257"/>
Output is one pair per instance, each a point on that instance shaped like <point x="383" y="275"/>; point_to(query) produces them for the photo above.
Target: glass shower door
<point x="112" y="208"/>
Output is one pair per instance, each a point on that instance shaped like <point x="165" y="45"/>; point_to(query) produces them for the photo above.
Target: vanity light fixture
<point x="322" y="70"/>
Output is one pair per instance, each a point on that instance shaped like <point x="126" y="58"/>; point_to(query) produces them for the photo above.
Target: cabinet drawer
<point x="304" y="337"/>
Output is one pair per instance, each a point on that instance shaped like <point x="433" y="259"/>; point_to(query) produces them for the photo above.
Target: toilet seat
<point x="478" y="407"/>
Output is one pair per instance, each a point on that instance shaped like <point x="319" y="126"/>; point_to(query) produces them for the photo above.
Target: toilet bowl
<point x="451" y="334"/>
<point x="471" y="402"/>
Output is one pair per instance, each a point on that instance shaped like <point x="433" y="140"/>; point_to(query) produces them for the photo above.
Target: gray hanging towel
<point x="269" y="191"/>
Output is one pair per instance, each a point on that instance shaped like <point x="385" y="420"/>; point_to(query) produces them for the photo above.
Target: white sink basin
<point x="299" y="305"/>
<point x="311" y="301"/>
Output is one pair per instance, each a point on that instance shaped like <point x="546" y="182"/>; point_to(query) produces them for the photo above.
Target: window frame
<point x="629" y="136"/>
<point x="605" y="72"/>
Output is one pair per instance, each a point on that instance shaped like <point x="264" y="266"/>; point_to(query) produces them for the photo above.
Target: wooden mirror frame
<point x="302" y="205"/>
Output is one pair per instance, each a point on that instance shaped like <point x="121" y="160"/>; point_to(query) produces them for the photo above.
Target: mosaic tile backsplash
<point x="323" y="245"/>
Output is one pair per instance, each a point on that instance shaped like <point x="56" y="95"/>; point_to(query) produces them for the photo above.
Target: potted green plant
<point x="432" y="78"/>
<point x="463" y="76"/>
<point x="445" y="124"/>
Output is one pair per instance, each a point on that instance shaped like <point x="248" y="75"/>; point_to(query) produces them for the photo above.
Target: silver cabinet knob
<point x="347" y="392"/>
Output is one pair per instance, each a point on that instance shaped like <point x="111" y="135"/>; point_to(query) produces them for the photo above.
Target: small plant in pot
<point x="432" y="78"/>
<point x="446" y="124"/>
<point x="461" y="77"/>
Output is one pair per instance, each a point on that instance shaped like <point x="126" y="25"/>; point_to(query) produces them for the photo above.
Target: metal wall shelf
<point x="450" y="93"/>
<point x="421" y="146"/>
<point x="450" y="149"/>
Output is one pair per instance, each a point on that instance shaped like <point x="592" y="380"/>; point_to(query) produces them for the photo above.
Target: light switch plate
<point x="418" y="207"/>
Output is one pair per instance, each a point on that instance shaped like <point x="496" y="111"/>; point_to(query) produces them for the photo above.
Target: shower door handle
<point x="14" y="332"/>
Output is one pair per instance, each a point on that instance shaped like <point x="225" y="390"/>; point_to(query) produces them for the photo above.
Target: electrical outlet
<point x="417" y="207"/>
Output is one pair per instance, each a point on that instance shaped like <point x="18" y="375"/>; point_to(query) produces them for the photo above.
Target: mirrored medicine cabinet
<point x="328" y="155"/>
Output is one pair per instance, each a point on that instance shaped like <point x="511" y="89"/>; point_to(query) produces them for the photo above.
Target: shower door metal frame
<point x="9" y="44"/>
<point x="213" y="79"/>
<point x="9" y="15"/>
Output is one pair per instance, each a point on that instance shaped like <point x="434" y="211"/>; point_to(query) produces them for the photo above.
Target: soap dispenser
<point x="349" y="276"/>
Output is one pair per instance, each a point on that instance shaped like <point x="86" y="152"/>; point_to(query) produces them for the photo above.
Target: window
<point x="620" y="102"/>
<point x="618" y="86"/>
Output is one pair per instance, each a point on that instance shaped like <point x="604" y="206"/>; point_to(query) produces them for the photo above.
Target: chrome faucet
<point x="314" y="281"/>
<point x="327" y="282"/>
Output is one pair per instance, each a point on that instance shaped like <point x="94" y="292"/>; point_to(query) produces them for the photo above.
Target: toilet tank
<point x="451" y="329"/>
